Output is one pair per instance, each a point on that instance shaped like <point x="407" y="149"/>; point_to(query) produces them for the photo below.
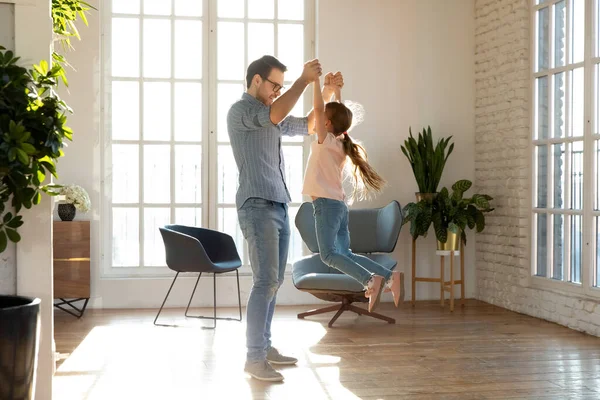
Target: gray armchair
<point x="372" y="232"/>
<point x="191" y="249"/>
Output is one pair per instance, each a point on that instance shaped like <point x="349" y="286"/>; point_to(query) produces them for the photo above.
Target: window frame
<point x="591" y="123"/>
<point x="209" y="142"/>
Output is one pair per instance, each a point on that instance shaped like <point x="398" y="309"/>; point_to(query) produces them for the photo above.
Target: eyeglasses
<point x="276" y="86"/>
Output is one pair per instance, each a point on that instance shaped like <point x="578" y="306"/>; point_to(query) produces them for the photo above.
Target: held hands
<point x="312" y="71"/>
<point x="334" y="81"/>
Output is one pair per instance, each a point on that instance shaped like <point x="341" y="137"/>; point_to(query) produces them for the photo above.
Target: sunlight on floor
<point x="139" y="360"/>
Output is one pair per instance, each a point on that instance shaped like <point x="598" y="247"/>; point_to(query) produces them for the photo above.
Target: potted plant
<point x="32" y="134"/>
<point x="76" y="198"/>
<point x="451" y="215"/>
<point x="19" y="345"/>
<point x="426" y="161"/>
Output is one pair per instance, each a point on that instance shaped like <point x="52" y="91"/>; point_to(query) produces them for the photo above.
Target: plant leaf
<point x="3" y="241"/>
<point x="13" y="235"/>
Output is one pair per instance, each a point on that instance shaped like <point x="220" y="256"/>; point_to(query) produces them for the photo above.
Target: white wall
<point x="407" y="62"/>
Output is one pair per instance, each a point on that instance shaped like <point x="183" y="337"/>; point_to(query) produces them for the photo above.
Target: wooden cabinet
<point x="71" y="263"/>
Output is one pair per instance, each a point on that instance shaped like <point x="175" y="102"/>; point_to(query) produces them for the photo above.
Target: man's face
<point x="270" y="88"/>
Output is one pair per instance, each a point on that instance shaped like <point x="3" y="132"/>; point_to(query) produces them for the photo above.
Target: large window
<point x="566" y="203"/>
<point x="172" y="68"/>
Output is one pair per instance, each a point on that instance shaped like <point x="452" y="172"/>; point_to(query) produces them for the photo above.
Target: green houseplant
<point x="32" y="122"/>
<point x="451" y="214"/>
<point x="33" y="132"/>
<point x="426" y="161"/>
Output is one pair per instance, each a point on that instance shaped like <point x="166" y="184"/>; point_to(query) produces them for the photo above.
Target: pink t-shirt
<point x="325" y="169"/>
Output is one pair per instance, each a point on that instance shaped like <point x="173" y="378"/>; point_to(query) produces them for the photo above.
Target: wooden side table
<point x="71" y="245"/>
<point x="445" y="286"/>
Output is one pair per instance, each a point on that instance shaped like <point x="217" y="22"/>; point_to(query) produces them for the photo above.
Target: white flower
<point x="77" y="196"/>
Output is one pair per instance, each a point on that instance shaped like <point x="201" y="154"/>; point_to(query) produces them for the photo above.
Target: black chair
<point x="191" y="249"/>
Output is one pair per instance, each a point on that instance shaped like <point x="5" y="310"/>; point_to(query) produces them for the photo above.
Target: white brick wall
<point x="502" y="124"/>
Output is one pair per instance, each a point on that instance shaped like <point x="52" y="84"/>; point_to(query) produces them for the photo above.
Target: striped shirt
<point x="256" y="145"/>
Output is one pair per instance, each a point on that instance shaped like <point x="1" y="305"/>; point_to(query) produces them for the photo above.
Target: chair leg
<point x="214" y="317"/>
<point x="362" y="311"/>
<point x="214" y="302"/>
<point x="192" y="296"/>
<point x="319" y="311"/>
<point x="237" y="275"/>
<point x="165" y="300"/>
<point x="343" y="308"/>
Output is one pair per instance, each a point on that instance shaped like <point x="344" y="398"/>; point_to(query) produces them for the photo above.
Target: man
<point x="255" y="124"/>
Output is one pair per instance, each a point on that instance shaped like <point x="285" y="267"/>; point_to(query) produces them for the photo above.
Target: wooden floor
<point x="479" y="352"/>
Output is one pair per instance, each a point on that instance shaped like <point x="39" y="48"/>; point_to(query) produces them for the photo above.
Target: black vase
<point x="19" y="346"/>
<point x="66" y="211"/>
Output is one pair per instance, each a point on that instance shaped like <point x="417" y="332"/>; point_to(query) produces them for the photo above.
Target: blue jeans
<point x="331" y="220"/>
<point x="265" y="225"/>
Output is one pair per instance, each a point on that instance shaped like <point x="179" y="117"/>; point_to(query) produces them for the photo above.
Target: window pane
<point x="543" y="20"/>
<point x="578" y="25"/>
<point x="290" y="9"/>
<point x="290" y="49"/>
<point x="597" y="282"/>
<point x="154" y="248"/>
<point x="560" y="110"/>
<point x="542" y="176"/>
<point x="188" y="174"/>
<point x="227" y="180"/>
<point x="125" y="111"/>
<point x="597" y="29"/>
<point x="262" y="9"/>
<point x="294" y="171"/>
<point x="542" y="108"/>
<point x="125" y="237"/>
<point x="597" y="98"/>
<point x="559" y="161"/>
<point x="188" y="8"/>
<point x="261" y="40"/>
<point x="230" y="50"/>
<point x="125" y="173"/>
<point x="230" y="9"/>
<point x="577" y="175"/>
<point x="157" y="174"/>
<point x="126" y="6"/>
<point x="157" y="48"/>
<point x="188" y="112"/>
<point x="597" y="173"/>
<point x="559" y="246"/>
<point x="157" y="111"/>
<point x="576" y="248"/>
<point x="560" y="34"/>
<point x="577" y="103"/>
<point x="157" y="7"/>
<point x="542" y="244"/>
<point x="227" y="94"/>
<point x="125" y="47"/>
<point x="296" y="243"/>
<point x="188" y="216"/>
<point x="188" y="49"/>
<point x="228" y="223"/>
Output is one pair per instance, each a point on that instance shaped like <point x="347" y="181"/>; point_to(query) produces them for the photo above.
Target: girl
<point x="323" y="182"/>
